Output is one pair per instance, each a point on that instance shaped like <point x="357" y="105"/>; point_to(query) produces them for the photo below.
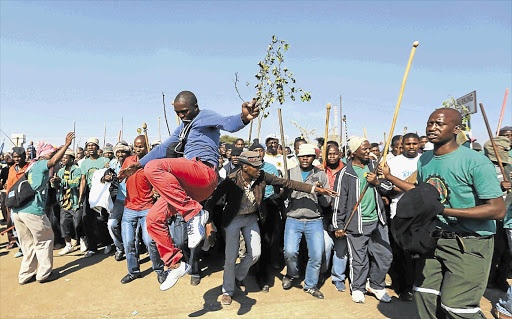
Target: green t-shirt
<point x="463" y="178"/>
<point x="368" y="206"/>
<point x="38" y="178"/>
<point x="89" y="166"/>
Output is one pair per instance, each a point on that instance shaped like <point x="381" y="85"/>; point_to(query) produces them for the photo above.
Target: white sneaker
<point x="66" y="250"/>
<point x="357" y="296"/>
<point x="196" y="229"/>
<point x="380" y="294"/>
<point x="83" y="246"/>
<point x="174" y="275"/>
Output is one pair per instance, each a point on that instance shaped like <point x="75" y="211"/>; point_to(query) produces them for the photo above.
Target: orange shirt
<point x="14" y="175"/>
<point x="139" y="192"/>
<point x="331" y="174"/>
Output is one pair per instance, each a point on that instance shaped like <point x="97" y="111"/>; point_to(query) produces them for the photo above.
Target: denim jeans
<point x="114" y="224"/>
<point x="314" y="233"/>
<point x="339" y="259"/>
<point x="133" y="219"/>
<point x="178" y="231"/>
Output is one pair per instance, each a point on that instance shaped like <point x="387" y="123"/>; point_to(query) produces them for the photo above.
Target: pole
<point x="386" y="148"/>
<point x="282" y="143"/>
<point x="104" y="133"/>
<point x="74" y="132"/>
<point x="364" y="132"/>
<point x="165" y="115"/>
<point x="341" y="121"/>
<point x="493" y="143"/>
<point x="324" y="151"/>
<point x="502" y="113"/>
<point x="159" y="131"/>
<point x="145" y="128"/>
<point x="122" y="128"/>
<point x="250" y="133"/>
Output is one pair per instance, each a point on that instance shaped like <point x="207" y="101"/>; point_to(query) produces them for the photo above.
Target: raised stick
<point x="165" y="115"/>
<point x="324" y="151"/>
<point x="364" y="132"/>
<point x="502" y="113"/>
<point x="282" y="143"/>
<point x="493" y="143"/>
<point x="104" y="133"/>
<point x="145" y="128"/>
<point x="74" y="132"/>
<point x="159" y="131"/>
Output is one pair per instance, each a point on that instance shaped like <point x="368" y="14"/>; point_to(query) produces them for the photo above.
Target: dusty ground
<point x="91" y="288"/>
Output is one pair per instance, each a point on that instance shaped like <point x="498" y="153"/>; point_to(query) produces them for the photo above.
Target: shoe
<point x="129" y="278"/>
<point x="340" y="286"/>
<point x="161" y="276"/>
<point x="195" y="280"/>
<point x="18" y="254"/>
<point x="405" y="296"/>
<point x="119" y="255"/>
<point x="89" y="253"/>
<point x="287" y="282"/>
<point x="83" y="245"/>
<point x="239" y="284"/>
<point x="174" y="275"/>
<point x="53" y="275"/>
<point x="265" y="288"/>
<point x="315" y="292"/>
<point x="195" y="228"/>
<point x="380" y="294"/>
<point x="66" y="250"/>
<point x="226" y="300"/>
<point x="31" y="279"/>
<point x="108" y="249"/>
<point x="357" y="296"/>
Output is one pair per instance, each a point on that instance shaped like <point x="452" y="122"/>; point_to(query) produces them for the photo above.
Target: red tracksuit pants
<point x="182" y="184"/>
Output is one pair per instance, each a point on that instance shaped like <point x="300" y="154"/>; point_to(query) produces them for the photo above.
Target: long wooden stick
<point x="104" y="133"/>
<point x="502" y="113"/>
<point x="250" y="134"/>
<point x="74" y="132"/>
<point x="324" y="152"/>
<point x="282" y="143"/>
<point x="390" y="136"/>
<point x="5" y="231"/>
<point x="364" y="132"/>
<point x="493" y="142"/>
<point x="145" y="128"/>
<point x="165" y="114"/>
<point x="159" y="131"/>
<point x="386" y="148"/>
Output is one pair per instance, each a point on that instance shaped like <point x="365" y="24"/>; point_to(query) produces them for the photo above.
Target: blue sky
<point x="96" y="62"/>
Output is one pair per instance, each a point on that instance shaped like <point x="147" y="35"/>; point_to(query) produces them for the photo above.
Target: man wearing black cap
<point x="232" y="166"/>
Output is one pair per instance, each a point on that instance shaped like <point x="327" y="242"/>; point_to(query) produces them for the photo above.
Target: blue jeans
<point x="132" y="219"/>
<point x="339" y="259"/>
<point x="314" y="232"/>
<point x="114" y="224"/>
<point x="178" y="231"/>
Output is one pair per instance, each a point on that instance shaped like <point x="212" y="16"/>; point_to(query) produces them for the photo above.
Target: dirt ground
<point x="91" y="288"/>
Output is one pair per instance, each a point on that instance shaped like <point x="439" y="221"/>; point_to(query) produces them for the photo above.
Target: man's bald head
<point x="451" y="115"/>
<point x="186" y="98"/>
<point x="443" y="125"/>
<point x="139" y="146"/>
<point x="140" y="139"/>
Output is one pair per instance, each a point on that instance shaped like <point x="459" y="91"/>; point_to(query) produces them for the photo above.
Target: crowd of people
<point x="434" y="215"/>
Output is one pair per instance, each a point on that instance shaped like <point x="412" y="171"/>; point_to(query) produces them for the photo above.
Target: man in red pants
<point x="183" y="182"/>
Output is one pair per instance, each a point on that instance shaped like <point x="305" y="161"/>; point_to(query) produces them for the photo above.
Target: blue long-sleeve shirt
<point x="203" y="138"/>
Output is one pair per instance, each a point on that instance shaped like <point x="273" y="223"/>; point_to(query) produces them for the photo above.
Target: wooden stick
<point x="5" y="231"/>
<point x="104" y="133"/>
<point x="165" y="114"/>
<point x="502" y="113"/>
<point x="388" y="142"/>
<point x="119" y="138"/>
<point x="282" y="143"/>
<point x="364" y="132"/>
<point x="145" y="128"/>
<point x="159" y="131"/>
<point x="324" y="151"/>
<point x="74" y="132"/>
<point x="493" y="143"/>
<point x="250" y="133"/>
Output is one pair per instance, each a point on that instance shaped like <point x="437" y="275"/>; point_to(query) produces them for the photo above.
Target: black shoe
<point x="195" y="280"/>
<point x="53" y="275"/>
<point x="265" y="288"/>
<point x="119" y="255"/>
<point x="162" y="276"/>
<point x="129" y="278"/>
<point x="315" y="292"/>
<point x="287" y="282"/>
<point x="405" y="296"/>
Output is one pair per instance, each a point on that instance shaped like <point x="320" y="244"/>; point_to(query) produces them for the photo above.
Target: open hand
<point x="326" y="191"/>
<point x="250" y="111"/>
<point x="128" y="171"/>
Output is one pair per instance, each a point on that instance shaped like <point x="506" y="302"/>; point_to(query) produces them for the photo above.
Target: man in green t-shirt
<point x="452" y="278"/>
<point x="367" y="233"/>
<point x="95" y="226"/>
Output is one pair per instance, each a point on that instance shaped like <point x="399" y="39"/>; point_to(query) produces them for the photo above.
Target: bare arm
<point x="58" y="156"/>
<point x="82" y="189"/>
<point x="403" y="185"/>
<point x="491" y="209"/>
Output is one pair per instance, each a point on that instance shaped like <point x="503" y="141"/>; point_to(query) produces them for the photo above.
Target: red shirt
<point x="139" y="192"/>
<point x="331" y="174"/>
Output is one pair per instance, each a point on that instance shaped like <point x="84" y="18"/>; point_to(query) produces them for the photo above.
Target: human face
<point x="411" y="147"/>
<point x="222" y="150"/>
<point x="287" y="150"/>
<point x="185" y="111"/>
<point x="306" y="162"/>
<point x="280" y="150"/>
<point x="234" y="159"/>
<point x="9" y="160"/>
<point x="363" y="152"/>
<point x="240" y="144"/>
<point x="79" y="154"/>
<point x="375" y="150"/>
<point x="67" y="160"/>
<point x="18" y="160"/>
<point x="423" y="141"/>
<point x="507" y="134"/>
<point x="140" y="148"/>
<point x="272" y="146"/>
<point x="296" y="147"/>
<point x="398" y="148"/>
<point x="109" y="155"/>
<point x="441" y="128"/>
<point x="100" y="152"/>
<point x="333" y="155"/>
<point x="260" y="151"/>
<point x="92" y="149"/>
<point x="252" y="171"/>
<point x="228" y="153"/>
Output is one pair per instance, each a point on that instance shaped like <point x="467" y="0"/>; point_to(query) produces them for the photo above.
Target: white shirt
<point x="401" y="167"/>
<point x="276" y="160"/>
